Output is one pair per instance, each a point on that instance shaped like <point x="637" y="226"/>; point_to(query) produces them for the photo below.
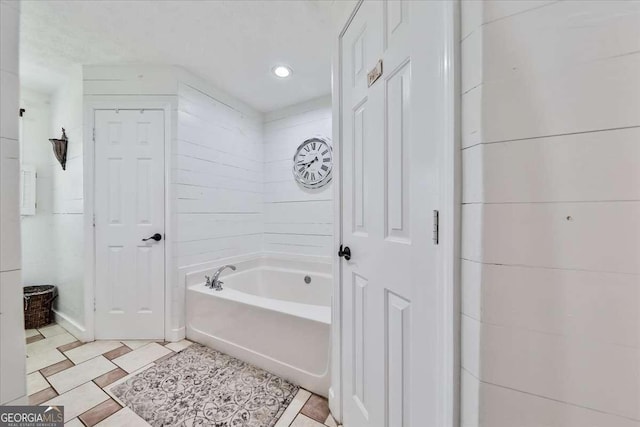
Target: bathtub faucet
<point x="215" y="283"/>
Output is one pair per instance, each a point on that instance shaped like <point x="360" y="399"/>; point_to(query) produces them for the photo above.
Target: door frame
<point x="450" y="226"/>
<point x="91" y="105"/>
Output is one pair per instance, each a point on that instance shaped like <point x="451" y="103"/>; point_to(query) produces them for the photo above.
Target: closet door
<point x="129" y="224"/>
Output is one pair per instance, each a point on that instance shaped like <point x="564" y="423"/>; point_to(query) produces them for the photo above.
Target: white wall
<point x="297" y="221"/>
<point x="551" y="213"/>
<point x="67" y="266"/>
<point x="12" y="343"/>
<point x="37" y="230"/>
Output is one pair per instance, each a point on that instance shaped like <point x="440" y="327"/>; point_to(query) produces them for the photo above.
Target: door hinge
<point x="94" y="134"/>
<point x="436" y="227"/>
<point x="94" y="304"/>
<point x="94" y="220"/>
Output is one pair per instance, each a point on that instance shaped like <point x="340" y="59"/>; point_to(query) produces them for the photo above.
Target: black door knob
<point x="345" y="253"/>
<point x="157" y="237"/>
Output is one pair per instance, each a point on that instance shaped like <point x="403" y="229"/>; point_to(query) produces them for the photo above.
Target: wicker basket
<point x="37" y="305"/>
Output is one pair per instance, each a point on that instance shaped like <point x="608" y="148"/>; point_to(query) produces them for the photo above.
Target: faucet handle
<point x="208" y="283"/>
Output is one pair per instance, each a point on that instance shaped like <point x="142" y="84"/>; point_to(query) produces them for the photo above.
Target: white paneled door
<point x="129" y="224"/>
<point x="391" y="167"/>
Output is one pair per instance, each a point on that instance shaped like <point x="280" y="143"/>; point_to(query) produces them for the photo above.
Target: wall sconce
<point x="60" y="149"/>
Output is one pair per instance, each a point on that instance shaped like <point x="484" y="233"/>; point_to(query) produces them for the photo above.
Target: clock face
<point x="312" y="163"/>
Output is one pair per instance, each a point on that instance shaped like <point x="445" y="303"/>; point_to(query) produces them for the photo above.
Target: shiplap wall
<point x="217" y="169"/>
<point x="12" y="344"/>
<point x="551" y="213"/>
<point x="37" y="230"/>
<point x="67" y="268"/>
<point x="297" y="221"/>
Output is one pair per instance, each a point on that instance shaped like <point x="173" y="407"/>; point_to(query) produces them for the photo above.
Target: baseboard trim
<point x="175" y="335"/>
<point x="71" y="326"/>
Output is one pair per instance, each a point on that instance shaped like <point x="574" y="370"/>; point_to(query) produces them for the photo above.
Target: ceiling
<point x="232" y="44"/>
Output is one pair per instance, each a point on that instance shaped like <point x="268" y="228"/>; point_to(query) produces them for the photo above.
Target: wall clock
<point x="313" y="162"/>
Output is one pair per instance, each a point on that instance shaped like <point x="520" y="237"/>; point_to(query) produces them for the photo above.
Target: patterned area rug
<point x="203" y="387"/>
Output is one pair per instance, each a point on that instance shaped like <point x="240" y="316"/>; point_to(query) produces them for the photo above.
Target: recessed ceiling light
<point x="282" y="71"/>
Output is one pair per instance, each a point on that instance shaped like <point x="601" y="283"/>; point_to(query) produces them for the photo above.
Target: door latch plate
<point x="375" y="74"/>
<point x="436" y="227"/>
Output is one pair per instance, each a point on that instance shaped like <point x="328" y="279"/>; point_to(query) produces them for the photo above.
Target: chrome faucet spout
<point x="217" y="284"/>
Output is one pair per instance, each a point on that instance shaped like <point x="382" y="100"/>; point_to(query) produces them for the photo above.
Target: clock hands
<point x="306" y="165"/>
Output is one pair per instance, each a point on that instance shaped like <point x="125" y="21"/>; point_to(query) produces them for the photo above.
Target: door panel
<point x="397" y="339"/>
<point x="129" y="207"/>
<point x="390" y="188"/>
<point x="358" y="310"/>
<point x="398" y="154"/>
<point x="359" y="182"/>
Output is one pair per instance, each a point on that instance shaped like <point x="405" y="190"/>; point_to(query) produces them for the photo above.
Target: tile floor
<point x="63" y="371"/>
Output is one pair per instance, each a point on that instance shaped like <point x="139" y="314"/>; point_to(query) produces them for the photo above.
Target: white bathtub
<point x="268" y="316"/>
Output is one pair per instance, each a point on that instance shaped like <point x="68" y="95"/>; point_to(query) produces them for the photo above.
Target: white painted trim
<point x="335" y="391"/>
<point x="450" y="227"/>
<point x="449" y="265"/>
<point x="71" y="326"/>
<point x="168" y="104"/>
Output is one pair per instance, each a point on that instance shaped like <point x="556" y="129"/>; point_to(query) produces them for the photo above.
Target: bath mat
<point x="203" y="387"/>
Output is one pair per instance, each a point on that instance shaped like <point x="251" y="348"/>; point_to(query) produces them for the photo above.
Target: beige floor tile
<point x="125" y="417"/>
<point x="80" y="374"/>
<point x="91" y="350"/>
<point x="79" y="400"/>
<point x="304" y="421"/>
<point x="178" y="346"/>
<point x="294" y="407"/>
<point x="83" y="398"/>
<point x="135" y="344"/>
<point x="330" y="421"/>
<point x="52" y="330"/>
<point x="141" y="357"/>
<point x="30" y="333"/>
<point x="55" y="341"/>
<point x="43" y="359"/>
<point x="36" y="383"/>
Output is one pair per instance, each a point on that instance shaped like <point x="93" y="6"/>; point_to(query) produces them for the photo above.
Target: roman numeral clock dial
<point x="313" y="162"/>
